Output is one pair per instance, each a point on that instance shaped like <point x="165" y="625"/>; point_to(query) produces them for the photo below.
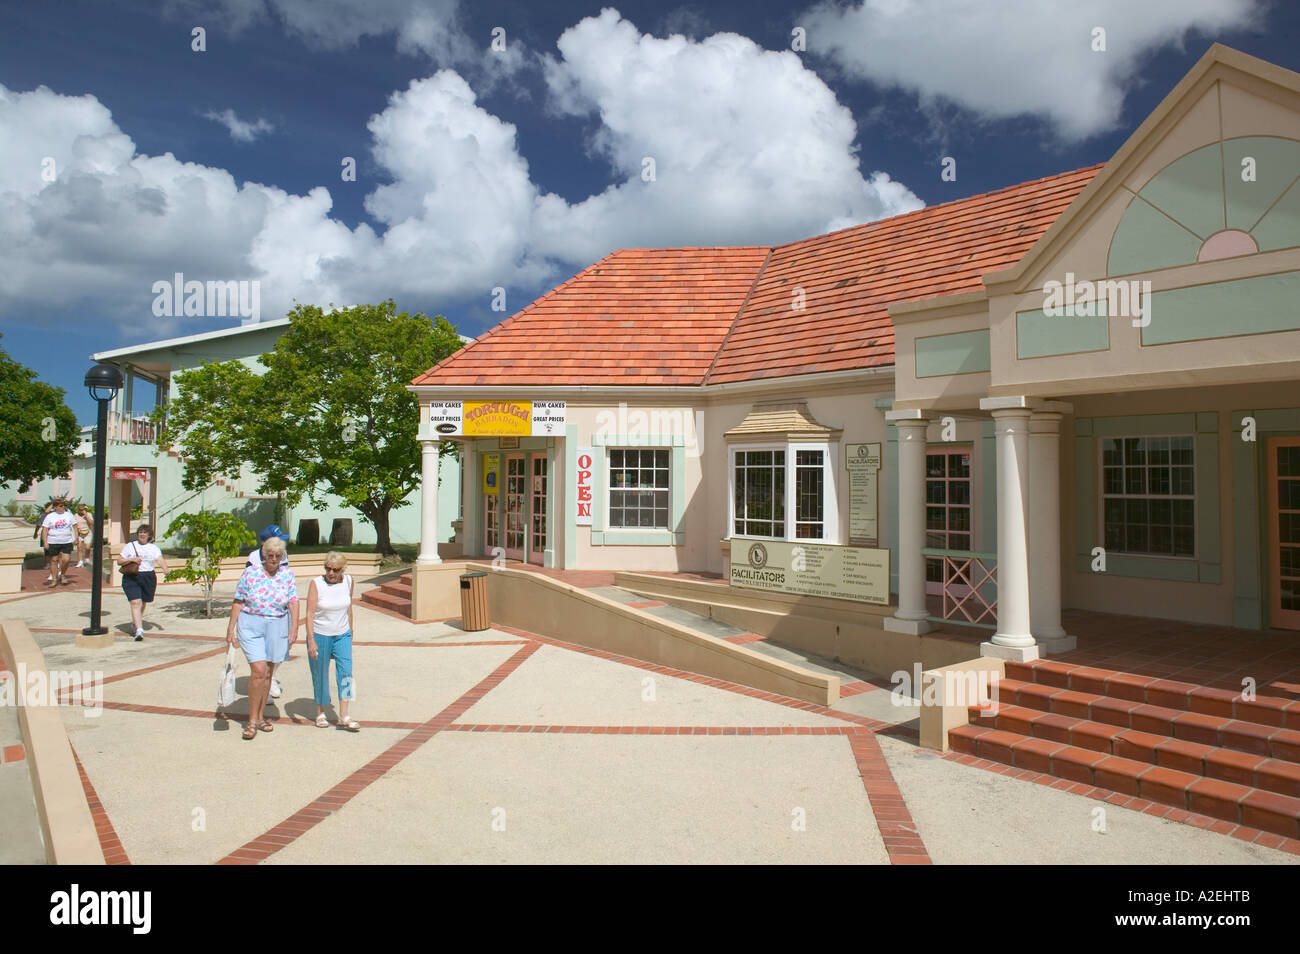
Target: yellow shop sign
<point x="497" y="418"/>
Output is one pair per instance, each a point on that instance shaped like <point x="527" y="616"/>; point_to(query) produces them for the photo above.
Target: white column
<point x="1011" y="426"/>
<point x="428" y="504"/>
<point x="1045" y="532"/>
<point x="912" y="613"/>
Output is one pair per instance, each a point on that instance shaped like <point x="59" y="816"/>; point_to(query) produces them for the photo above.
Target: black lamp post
<point x="103" y="381"/>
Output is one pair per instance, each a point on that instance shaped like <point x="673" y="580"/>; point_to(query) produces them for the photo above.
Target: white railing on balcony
<point x="970" y="586"/>
<point x="130" y="430"/>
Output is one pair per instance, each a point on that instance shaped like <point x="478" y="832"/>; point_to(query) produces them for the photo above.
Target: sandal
<point x="349" y="723"/>
<point x="250" y="732"/>
<point x="322" y="722"/>
<point x="266" y="726"/>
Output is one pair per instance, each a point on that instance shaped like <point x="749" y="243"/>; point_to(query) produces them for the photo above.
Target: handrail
<point x="935" y="552"/>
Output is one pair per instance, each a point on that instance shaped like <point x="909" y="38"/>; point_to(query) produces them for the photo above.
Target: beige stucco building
<point x="1085" y="391"/>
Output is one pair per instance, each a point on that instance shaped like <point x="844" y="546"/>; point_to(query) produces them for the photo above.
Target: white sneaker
<point x="275" y="688"/>
<point x="80" y="564"/>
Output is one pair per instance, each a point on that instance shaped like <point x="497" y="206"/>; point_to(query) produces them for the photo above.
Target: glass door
<point x="537" y="544"/>
<point x="491" y="524"/>
<point x="947" y="509"/>
<point x="516" y="494"/>
<point x="1284" y="532"/>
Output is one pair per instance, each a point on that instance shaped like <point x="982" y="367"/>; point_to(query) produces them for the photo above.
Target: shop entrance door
<point x="537" y="523"/>
<point x="516" y="504"/>
<point x="1284" y="532"/>
<point x="947" y="511"/>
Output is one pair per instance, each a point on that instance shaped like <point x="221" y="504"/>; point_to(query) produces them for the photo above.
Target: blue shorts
<point x="262" y="638"/>
<point x="140" y="585"/>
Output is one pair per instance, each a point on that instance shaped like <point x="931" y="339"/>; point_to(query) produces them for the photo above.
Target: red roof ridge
<point x="942" y="205"/>
<point x="735" y="319"/>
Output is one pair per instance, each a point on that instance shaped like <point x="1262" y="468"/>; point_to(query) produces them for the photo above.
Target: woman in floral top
<point x="264" y="618"/>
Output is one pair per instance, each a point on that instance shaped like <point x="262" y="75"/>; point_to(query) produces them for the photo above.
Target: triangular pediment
<point x="1212" y="173"/>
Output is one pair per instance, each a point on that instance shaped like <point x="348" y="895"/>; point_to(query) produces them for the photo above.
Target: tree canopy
<point x="329" y="414"/>
<point x="38" y="431"/>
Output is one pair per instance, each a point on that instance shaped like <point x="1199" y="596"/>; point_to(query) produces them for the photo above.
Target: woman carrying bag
<point x="136" y="563"/>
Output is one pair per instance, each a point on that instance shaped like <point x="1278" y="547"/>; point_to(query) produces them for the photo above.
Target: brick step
<point x="1244" y="768"/>
<point x="1219" y="731"/>
<point x="388" y="601"/>
<point x="1240" y="804"/>
<point x="1277" y="709"/>
<point x="397" y="588"/>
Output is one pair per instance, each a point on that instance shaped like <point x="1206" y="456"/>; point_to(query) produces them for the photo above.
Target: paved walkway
<point x="502" y="746"/>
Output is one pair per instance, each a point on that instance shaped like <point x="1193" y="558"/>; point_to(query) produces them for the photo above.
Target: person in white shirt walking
<point x="136" y="563"/>
<point x="58" y="532"/>
<point x="329" y="636"/>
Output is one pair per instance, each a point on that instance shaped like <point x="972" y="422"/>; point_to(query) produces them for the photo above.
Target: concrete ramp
<point x="550" y="607"/>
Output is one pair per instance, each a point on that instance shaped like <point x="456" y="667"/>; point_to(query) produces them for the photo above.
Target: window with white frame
<point x="639" y="487"/>
<point x="783" y="493"/>
<point x="1149" y="495"/>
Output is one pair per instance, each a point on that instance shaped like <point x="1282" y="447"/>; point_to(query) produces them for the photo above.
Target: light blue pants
<point x="340" y="649"/>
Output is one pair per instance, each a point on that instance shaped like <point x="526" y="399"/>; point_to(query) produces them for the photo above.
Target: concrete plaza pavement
<point x="503" y="747"/>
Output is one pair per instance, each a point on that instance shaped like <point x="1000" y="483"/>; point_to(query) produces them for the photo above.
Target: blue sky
<point x="513" y="168"/>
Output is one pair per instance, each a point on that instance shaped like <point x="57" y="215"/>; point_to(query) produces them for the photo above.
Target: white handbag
<point x="226" y="691"/>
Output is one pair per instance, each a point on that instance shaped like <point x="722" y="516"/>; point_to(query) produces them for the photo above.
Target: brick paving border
<point x="114" y="851"/>
<point x="289" y="830"/>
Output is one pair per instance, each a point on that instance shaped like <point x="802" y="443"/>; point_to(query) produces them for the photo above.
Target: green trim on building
<point x="1146" y="240"/>
<point x="570" y="496"/>
<point x="1207" y="191"/>
<point x="989" y="487"/>
<point x="601" y="534"/>
<point x="1248" y="306"/>
<point x="1190" y="190"/>
<point x="966" y="352"/>
<point x="1206" y="566"/>
<point x="1039" y="335"/>
<point x="891" y="467"/>
<point x="1250" y="603"/>
<point x="1267" y="206"/>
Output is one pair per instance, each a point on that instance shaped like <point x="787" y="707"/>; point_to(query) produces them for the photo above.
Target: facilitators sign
<point x="497" y="418"/>
<point x="811" y="569"/>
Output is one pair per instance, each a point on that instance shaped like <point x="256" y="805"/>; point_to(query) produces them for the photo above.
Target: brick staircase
<point x="1197" y="748"/>
<point x="394" y="596"/>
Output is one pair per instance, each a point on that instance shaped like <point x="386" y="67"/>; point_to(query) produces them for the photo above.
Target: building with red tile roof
<point x="700" y="316"/>
<point x="1079" y="389"/>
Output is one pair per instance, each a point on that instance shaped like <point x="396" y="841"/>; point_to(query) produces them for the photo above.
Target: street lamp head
<point x="104" y="377"/>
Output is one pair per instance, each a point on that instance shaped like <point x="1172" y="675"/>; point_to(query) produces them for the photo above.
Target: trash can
<point x="309" y="532"/>
<point x="341" y="532"/>
<point x="474" y="602"/>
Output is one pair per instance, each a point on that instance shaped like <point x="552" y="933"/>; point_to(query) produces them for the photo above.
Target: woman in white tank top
<point x="329" y="636"/>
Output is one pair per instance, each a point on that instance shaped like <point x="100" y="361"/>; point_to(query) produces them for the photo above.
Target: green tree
<point x="38" y="431"/>
<point x="330" y="415"/>
<point x="211" y="537"/>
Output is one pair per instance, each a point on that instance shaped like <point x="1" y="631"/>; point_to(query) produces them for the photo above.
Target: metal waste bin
<point x="474" y="611"/>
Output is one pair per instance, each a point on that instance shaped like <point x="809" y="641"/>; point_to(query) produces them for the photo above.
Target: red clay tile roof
<point x="712" y="315"/>
<point x="638" y="316"/>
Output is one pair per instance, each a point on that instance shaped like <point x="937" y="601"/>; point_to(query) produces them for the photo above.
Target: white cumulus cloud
<point x="240" y="130"/>
<point x="748" y="145"/>
<point x="1016" y="57"/>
